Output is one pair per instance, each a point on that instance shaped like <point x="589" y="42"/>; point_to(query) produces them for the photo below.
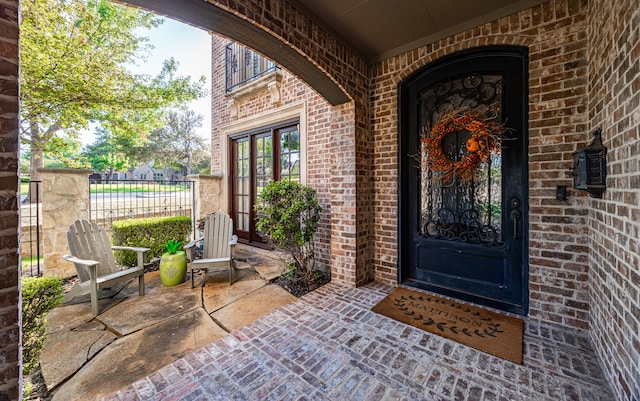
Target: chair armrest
<point x="191" y="244"/>
<point x="141" y="252"/>
<point x="84" y="262"/>
<point x="130" y="248"/>
<point x="232" y="245"/>
<point x="86" y="267"/>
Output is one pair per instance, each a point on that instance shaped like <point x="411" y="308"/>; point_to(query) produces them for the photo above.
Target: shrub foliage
<point x="288" y="215"/>
<point x="152" y="233"/>
<point x="39" y="296"/>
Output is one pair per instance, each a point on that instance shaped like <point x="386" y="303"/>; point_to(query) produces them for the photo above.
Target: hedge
<point x="151" y="233"/>
<point x="39" y="296"/>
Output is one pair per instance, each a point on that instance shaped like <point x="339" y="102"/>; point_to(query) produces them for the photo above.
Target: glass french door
<point x="258" y="158"/>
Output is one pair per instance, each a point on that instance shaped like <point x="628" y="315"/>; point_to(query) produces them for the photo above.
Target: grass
<point x="29" y="260"/>
<point x="136" y="188"/>
<point x="24" y="188"/>
<point x="119" y="188"/>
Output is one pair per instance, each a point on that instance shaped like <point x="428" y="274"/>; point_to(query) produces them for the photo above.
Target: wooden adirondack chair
<point x="218" y="245"/>
<point x="92" y="255"/>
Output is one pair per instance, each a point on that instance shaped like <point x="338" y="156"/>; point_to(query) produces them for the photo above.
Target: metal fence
<point x="31" y="230"/>
<point x="111" y="200"/>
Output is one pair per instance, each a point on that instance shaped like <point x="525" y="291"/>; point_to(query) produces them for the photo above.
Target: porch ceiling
<point x="383" y="28"/>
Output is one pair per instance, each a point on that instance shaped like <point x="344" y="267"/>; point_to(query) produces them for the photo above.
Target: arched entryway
<point x="211" y="17"/>
<point x="275" y="33"/>
<point x="464" y="232"/>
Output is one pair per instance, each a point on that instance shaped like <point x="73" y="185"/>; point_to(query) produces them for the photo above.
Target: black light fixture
<point x="589" y="167"/>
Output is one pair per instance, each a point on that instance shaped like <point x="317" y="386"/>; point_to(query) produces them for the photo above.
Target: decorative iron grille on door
<point x="463" y="215"/>
<point x="454" y="209"/>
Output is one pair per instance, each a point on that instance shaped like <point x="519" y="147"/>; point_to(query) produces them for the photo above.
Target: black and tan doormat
<point x="481" y="329"/>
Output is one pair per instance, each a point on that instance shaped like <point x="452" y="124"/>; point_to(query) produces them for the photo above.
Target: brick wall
<point x="555" y="33"/>
<point x="350" y="150"/>
<point x="321" y="133"/>
<point x="10" y="383"/>
<point x="614" y="220"/>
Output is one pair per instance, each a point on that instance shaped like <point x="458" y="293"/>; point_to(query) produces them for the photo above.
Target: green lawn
<point x="135" y="188"/>
<point x="119" y="188"/>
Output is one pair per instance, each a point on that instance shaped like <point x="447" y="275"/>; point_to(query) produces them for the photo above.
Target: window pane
<point x="294" y="141"/>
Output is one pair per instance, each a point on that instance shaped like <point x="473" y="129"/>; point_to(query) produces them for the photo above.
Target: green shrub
<point x="150" y="233"/>
<point x="39" y="296"/>
<point x="288" y="215"/>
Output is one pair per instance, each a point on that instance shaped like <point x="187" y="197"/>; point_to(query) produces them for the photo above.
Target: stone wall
<point x="10" y="321"/>
<point x="207" y="192"/>
<point x="614" y="220"/>
<point x="65" y="199"/>
<point x="555" y="33"/>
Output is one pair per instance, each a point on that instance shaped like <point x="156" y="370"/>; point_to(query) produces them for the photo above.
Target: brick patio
<point x="328" y="345"/>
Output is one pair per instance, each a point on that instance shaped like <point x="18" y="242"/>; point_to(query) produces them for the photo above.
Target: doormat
<point x="490" y="332"/>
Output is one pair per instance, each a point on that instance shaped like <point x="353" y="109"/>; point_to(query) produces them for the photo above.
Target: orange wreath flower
<point x="484" y="141"/>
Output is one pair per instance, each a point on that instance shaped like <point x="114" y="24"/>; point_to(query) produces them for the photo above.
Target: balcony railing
<point x="243" y="65"/>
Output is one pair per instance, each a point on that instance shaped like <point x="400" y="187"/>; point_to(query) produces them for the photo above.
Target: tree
<point x="177" y="144"/>
<point x="288" y="214"/>
<point x="73" y="72"/>
<point x="108" y="153"/>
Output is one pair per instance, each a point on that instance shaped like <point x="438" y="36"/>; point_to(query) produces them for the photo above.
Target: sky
<point x="191" y="47"/>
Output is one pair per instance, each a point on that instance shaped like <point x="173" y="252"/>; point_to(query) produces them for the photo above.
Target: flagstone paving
<point x="328" y="345"/>
<point x="86" y="357"/>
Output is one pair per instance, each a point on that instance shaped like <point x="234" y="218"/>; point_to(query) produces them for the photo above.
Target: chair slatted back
<point x="218" y="230"/>
<point x="89" y="241"/>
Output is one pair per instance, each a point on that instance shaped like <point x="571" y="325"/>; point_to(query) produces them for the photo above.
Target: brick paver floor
<point x="328" y="345"/>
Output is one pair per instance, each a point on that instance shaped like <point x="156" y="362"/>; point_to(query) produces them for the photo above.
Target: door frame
<point x="407" y="167"/>
<point x="272" y="130"/>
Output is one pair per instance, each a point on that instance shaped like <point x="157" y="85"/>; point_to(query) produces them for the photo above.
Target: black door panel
<point x="467" y="238"/>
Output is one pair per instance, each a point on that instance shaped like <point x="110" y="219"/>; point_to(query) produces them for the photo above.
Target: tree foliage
<point x="108" y="153"/>
<point x="177" y="145"/>
<point x="73" y="72"/>
<point x="288" y="214"/>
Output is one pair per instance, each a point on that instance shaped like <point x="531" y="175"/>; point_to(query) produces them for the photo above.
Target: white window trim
<point x="289" y="112"/>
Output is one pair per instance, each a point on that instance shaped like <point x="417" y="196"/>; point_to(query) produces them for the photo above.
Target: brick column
<point x="65" y="199"/>
<point x="10" y="320"/>
<point x="207" y="189"/>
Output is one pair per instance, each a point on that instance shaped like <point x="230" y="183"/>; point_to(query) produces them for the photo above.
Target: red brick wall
<point x="324" y="136"/>
<point x="10" y="373"/>
<point x="350" y="151"/>
<point x="614" y="220"/>
<point x="555" y="34"/>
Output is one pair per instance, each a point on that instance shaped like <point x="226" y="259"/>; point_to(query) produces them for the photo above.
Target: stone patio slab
<point x="217" y="294"/>
<point x="139" y="354"/>
<point x="139" y="312"/>
<point x="252" y="306"/>
<point x="66" y="351"/>
<point x="68" y="317"/>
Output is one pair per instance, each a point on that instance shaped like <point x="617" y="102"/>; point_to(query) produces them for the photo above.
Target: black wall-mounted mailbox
<point x="589" y="167"/>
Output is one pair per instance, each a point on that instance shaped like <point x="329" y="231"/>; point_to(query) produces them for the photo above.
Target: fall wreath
<point x="484" y="141"/>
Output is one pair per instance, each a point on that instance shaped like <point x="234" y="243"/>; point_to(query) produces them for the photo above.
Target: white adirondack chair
<point x="92" y="255"/>
<point x="218" y="245"/>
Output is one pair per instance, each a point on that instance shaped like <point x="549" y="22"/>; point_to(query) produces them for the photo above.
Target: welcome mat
<point x="481" y="329"/>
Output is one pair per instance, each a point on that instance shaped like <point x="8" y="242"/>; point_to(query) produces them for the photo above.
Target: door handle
<point x="515" y="215"/>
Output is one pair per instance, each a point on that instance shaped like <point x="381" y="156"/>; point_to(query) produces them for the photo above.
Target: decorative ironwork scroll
<point x="467" y="211"/>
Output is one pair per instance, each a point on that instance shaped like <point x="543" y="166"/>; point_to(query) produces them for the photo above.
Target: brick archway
<point x="213" y="16"/>
<point x="337" y="73"/>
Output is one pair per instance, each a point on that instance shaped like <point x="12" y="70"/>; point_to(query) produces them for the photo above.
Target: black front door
<point x="464" y="230"/>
